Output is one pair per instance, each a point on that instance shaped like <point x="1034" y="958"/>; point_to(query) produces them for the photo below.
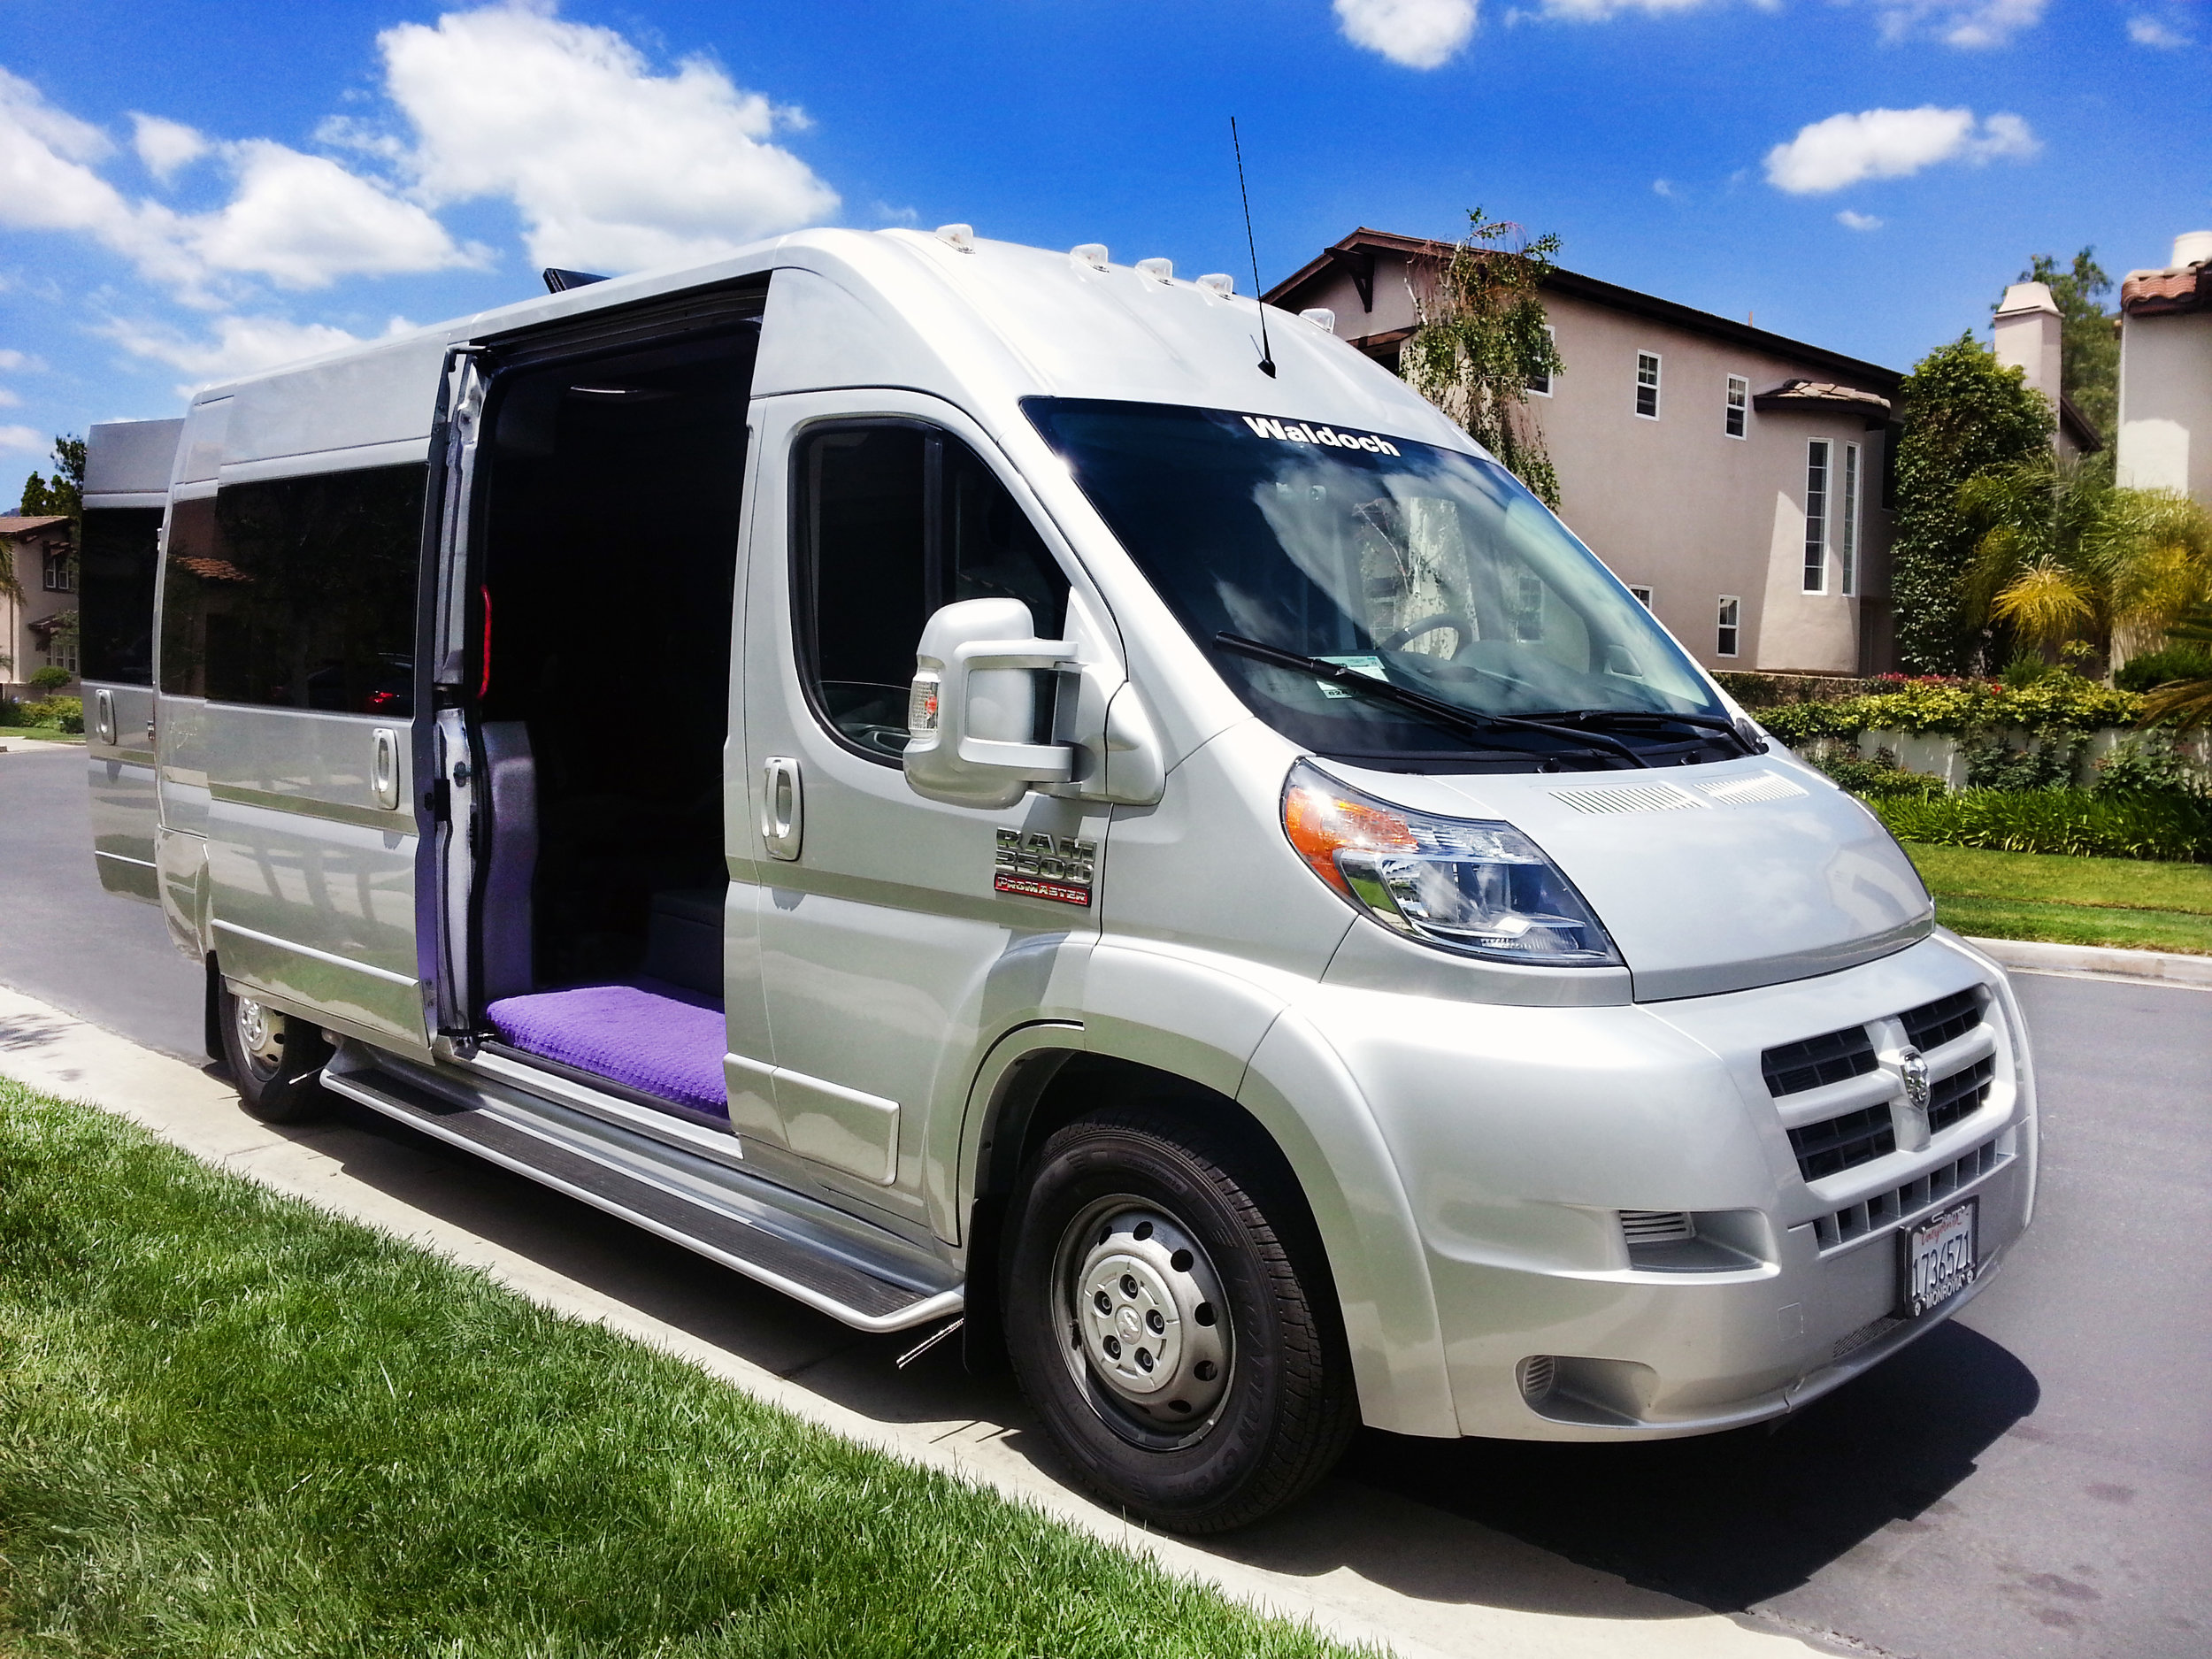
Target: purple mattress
<point x="661" y="1039"/>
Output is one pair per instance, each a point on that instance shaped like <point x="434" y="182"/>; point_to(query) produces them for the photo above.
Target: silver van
<point x="929" y="772"/>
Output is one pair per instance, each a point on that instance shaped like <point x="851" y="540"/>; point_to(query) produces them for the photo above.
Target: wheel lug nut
<point x="1144" y="1359"/>
<point x="1129" y="1285"/>
<point x="1113" y="1348"/>
<point x="1102" y="1302"/>
<point x="1157" y="1324"/>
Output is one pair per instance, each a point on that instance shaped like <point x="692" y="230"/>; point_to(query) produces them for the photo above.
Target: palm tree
<point x="2063" y="555"/>
<point x="2187" y="703"/>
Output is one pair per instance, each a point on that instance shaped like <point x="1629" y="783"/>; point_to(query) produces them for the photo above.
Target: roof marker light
<point x="1090" y="253"/>
<point x="1219" y="283"/>
<point x="960" y="236"/>
<point x="1158" y="269"/>
<point x="1322" y="317"/>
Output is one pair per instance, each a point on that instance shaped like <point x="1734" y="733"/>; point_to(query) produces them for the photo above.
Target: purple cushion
<point x="658" y="1038"/>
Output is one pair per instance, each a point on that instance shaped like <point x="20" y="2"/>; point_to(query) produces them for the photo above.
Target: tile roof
<point x="14" y="525"/>
<point x="2184" y="289"/>
<point x="1793" y="393"/>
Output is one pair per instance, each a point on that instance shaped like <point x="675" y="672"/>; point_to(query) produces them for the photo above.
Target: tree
<point x="2063" y="555"/>
<point x="64" y="493"/>
<point x="1962" y="415"/>
<point x="2089" y="347"/>
<point x="1480" y="339"/>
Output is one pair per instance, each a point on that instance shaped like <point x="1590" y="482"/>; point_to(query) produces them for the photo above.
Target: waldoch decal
<point x="1298" y="431"/>
<point x="1040" y="866"/>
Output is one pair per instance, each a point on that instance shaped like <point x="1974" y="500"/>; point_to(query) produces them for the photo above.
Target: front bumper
<point x="1520" y="1164"/>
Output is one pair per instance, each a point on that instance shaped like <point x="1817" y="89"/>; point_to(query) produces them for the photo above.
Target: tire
<point x="275" y="1061"/>
<point x="1173" y="1321"/>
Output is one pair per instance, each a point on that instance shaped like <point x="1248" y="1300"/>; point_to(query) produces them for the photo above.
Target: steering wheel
<point x="1428" y="625"/>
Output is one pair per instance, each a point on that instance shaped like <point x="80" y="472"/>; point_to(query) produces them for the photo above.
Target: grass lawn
<point x="232" y="1424"/>
<point x="40" y="734"/>
<point x="2136" y="904"/>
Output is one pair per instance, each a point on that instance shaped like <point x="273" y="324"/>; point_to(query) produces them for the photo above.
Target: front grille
<point x="1793" y="1067"/>
<point x="1539" y="1373"/>
<point x="1845" y="1142"/>
<point x="1881" y="1210"/>
<point x="1932" y="1025"/>
<point x="1960" y="1095"/>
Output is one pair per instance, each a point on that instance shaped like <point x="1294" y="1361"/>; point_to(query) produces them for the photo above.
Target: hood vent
<point x="1643" y="797"/>
<point x="1760" y="786"/>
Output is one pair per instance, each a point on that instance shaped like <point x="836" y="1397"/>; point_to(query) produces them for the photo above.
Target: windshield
<point x="1430" y="569"/>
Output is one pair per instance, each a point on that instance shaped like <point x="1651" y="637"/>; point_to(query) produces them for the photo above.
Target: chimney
<point x="2026" y="335"/>
<point x="2192" y="247"/>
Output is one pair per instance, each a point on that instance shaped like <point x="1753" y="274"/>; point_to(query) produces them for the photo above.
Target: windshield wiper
<point x="1466" y="720"/>
<point x="1743" y="739"/>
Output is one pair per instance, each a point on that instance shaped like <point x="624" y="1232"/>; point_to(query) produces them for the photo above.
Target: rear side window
<point x="296" y="593"/>
<point x="115" y="618"/>
<point x="892" y="520"/>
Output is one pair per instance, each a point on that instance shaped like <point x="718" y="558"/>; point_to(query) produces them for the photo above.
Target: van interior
<point x="608" y="491"/>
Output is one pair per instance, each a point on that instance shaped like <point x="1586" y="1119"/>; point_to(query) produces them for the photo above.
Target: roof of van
<point x="978" y="322"/>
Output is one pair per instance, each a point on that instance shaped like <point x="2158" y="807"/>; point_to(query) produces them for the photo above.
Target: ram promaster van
<point x="934" y="774"/>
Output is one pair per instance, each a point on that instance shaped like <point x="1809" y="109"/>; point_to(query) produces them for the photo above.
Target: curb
<point x="2102" y="961"/>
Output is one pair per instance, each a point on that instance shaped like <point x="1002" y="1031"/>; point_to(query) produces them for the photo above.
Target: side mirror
<point x="971" y="712"/>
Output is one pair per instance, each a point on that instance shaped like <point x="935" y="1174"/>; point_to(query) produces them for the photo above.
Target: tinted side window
<point x="893" y="520"/>
<point x="115" y="627"/>
<point x="297" y="593"/>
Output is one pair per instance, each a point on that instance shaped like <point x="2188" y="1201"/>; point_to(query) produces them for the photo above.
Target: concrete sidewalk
<point x="1361" y="1564"/>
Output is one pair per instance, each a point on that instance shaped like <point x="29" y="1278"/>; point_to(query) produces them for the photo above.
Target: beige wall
<point x="1676" y="505"/>
<point x="2165" y="440"/>
<point x="16" y="638"/>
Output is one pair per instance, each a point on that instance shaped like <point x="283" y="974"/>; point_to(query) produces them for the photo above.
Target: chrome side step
<point x="828" y="1281"/>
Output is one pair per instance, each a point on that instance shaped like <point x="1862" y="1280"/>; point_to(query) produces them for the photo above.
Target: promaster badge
<point x="1040" y="866"/>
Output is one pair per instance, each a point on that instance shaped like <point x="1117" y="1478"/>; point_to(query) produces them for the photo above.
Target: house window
<point x="1739" y="406"/>
<point x="1647" y="384"/>
<point x="61" y="648"/>
<point x="1643" y="594"/>
<point x="1816" y="516"/>
<point x="1847" y="525"/>
<point x="60" y="577"/>
<point x="1539" y="385"/>
<point x="1725" y="636"/>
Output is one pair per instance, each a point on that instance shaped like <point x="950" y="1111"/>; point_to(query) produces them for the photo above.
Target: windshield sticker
<point x="1370" y="666"/>
<point x="1297" y="432"/>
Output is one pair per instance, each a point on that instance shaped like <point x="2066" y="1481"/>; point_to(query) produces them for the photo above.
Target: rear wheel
<point x="276" y="1060"/>
<point x="1173" y="1324"/>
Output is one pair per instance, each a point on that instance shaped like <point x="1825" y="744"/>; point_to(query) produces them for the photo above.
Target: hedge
<point x="1960" y="707"/>
<point x="2073" y="821"/>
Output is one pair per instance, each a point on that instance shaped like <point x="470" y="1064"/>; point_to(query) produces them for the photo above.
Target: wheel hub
<point x="260" y="1033"/>
<point x="1149" y="1318"/>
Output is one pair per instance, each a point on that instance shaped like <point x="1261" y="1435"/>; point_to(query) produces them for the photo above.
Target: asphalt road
<point x="2034" y="1478"/>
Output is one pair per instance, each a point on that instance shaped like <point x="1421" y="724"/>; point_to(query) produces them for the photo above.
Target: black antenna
<point x="1267" y="357"/>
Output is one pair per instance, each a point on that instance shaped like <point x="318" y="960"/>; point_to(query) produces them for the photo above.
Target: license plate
<point x="1939" y="1258"/>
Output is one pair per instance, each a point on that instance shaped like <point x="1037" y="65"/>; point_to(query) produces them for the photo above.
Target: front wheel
<point x="1171" y="1321"/>
<point x="276" y="1060"/>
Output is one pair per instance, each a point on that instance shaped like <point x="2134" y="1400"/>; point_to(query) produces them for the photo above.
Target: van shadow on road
<point x="1719" y="1522"/>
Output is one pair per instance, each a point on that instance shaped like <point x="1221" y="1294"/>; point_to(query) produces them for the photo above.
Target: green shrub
<point x="2054" y="702"/>
<point x="1993" y="764"/>
<point x="1881" y="779"/>
<point x="2156" y="668"/>
<point x="50" y="679"/>
<point x="11" y="711"/>
<point x="65" y="714"/>
<point x="2057" y="821"/>
<point x="2147" y="766"/>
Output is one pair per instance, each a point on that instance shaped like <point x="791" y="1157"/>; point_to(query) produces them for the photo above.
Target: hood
<point x="1709" y="879"/>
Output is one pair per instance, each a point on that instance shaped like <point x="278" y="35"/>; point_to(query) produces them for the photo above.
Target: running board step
<point x="833" y="1286"/>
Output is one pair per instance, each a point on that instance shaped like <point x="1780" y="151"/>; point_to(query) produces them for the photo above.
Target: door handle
<point x="103" y="716"/>
<point x="384" y="768"/>
<point x="782" y="808"/>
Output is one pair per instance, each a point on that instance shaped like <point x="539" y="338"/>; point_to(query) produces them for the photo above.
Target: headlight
<point x="1468" y="885"/>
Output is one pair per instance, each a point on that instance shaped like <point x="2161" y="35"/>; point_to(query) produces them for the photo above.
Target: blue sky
<point x="190" y="188"/>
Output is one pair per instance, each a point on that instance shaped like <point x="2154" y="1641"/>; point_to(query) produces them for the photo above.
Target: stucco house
<point x="38" y="551"/>
<point x="1738" y="480"/>
<point x="2165" y="438"/>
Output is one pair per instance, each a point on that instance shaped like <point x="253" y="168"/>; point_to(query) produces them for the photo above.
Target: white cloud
<point x="1845" y="149"/>
<point x="164" y="146"/>
<point x="612" y="165"/>
<point x="1965" y="23"/>
<point x="25" y="440"/>
<point x="236" y="345"/>
<point x="1660" y="187"/>
<point x="8" y="399"/>
<point x="10" y="359"/>
<point x="1419" y="34"/>
<point x="300" y="220"/>
<point x="1850" y="220"/>
<point x="1604" y="11"/>
<point x="2151" y="32"/>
